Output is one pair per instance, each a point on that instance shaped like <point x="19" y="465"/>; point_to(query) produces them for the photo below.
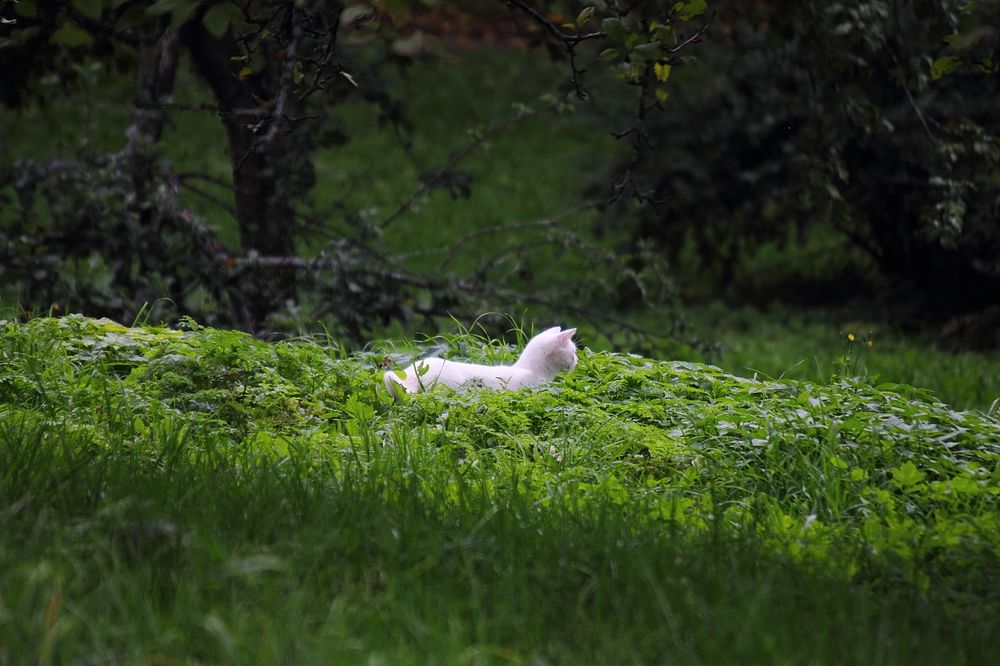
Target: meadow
<point x="189" y="495"/>
<point x="198" y="496"/>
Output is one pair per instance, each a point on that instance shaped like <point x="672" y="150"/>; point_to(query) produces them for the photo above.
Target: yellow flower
<point x="869" y="343"/>
<point x="850" y="337"/>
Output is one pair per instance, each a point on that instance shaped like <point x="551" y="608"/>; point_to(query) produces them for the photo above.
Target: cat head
<point x="549" y="352"/>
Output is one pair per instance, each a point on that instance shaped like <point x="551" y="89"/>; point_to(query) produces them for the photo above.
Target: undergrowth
<point x="170" y="496"/>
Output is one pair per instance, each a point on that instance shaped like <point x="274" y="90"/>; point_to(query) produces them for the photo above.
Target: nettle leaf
<point x="218" y="18"/>
<point x="943" y="66"/>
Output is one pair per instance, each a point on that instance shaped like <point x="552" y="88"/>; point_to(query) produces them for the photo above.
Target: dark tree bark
<point x="263" y="207"/>
<point x="156" y="69"/>
<point x="154" y="84"/>
<point x="18" y="63"/>
<point x="269" y="138"/>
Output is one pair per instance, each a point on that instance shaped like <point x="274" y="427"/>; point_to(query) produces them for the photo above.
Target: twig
<point x="551" y="27"/>
<point x="211" y="197"/>
<point x="694" y="38"/>
<point x="208" y="178"/>
<point x="569" y="41"/>
<point x="424" y="187"/>
<point x="920" y="116"/>
<point x="175" y="106"/>
<point x="497" y="229"/>
<point x="284" y="87"/>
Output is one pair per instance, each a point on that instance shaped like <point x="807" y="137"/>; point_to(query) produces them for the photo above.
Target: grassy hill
<point x="198" y="496"/>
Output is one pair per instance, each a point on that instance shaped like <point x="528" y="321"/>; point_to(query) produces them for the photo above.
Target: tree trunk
<point x="154" y="85"/>
<point x="270" y="147"/>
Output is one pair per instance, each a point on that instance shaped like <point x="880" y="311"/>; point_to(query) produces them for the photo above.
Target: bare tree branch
<point x="457" y="157"/>
<point x="498" y="229"/>
<point x="569" y="40"/>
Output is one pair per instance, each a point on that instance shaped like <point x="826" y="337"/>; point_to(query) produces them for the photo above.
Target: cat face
<point x="552" y="349"/>
<point x="566" y="349"/>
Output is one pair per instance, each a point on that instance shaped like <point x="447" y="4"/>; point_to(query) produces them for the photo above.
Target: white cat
<point x="545" y="354"/>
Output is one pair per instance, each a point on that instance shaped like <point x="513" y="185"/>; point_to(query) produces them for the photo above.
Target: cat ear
<point x="567" y="336"/>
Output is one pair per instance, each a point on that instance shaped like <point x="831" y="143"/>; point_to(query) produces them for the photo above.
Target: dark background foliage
<point x="855" y="140"/>
<point x="808" y="118"/>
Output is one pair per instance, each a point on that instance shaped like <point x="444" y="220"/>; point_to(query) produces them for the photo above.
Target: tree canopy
<point x="743" y="123"/>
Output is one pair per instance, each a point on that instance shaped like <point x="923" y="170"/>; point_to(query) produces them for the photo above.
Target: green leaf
<point x="609" y="55"/>
<point x="161" y="7"/>
<point x="907" y="475"/>
<point x="858" y="474"/>
<point x="90" y="8"/>
<point x="26" y="9"/>
<point x="614" y="29"/>
<point x="965" y="485"/>
<point x="355" y="15"/>
<point x="662" y="95"/>
<point x="134" y="15"/>
<point x="987" y="66"/>
<point x="666" y="34"/>
<point x="585" y="15"/>
<point x="18" y="37"/>
<point x="688" y="10"/>
<point x="178" y="10"/>
<point x="943" y="66"/>
<point x="649" y="51"/>
<point x="218" y="18"/>
<point x="71" y="36"/>
<point x="411" y="46"/>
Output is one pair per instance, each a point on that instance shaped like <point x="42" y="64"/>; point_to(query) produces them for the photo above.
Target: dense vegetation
<point x="825" y="490"/>
<point x="863" y="127"/>
<point x="272" y="74"/>
<point x="195" y="494"/>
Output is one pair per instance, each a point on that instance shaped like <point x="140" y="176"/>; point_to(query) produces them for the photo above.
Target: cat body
<point x="545" y="355"/>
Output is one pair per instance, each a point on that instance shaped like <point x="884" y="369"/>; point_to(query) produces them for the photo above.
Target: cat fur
<point x="546" y="354"/>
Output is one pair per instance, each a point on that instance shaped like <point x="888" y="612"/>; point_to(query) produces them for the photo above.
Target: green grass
<point x="199" y="496"/>
<point x="814" y="345"/>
